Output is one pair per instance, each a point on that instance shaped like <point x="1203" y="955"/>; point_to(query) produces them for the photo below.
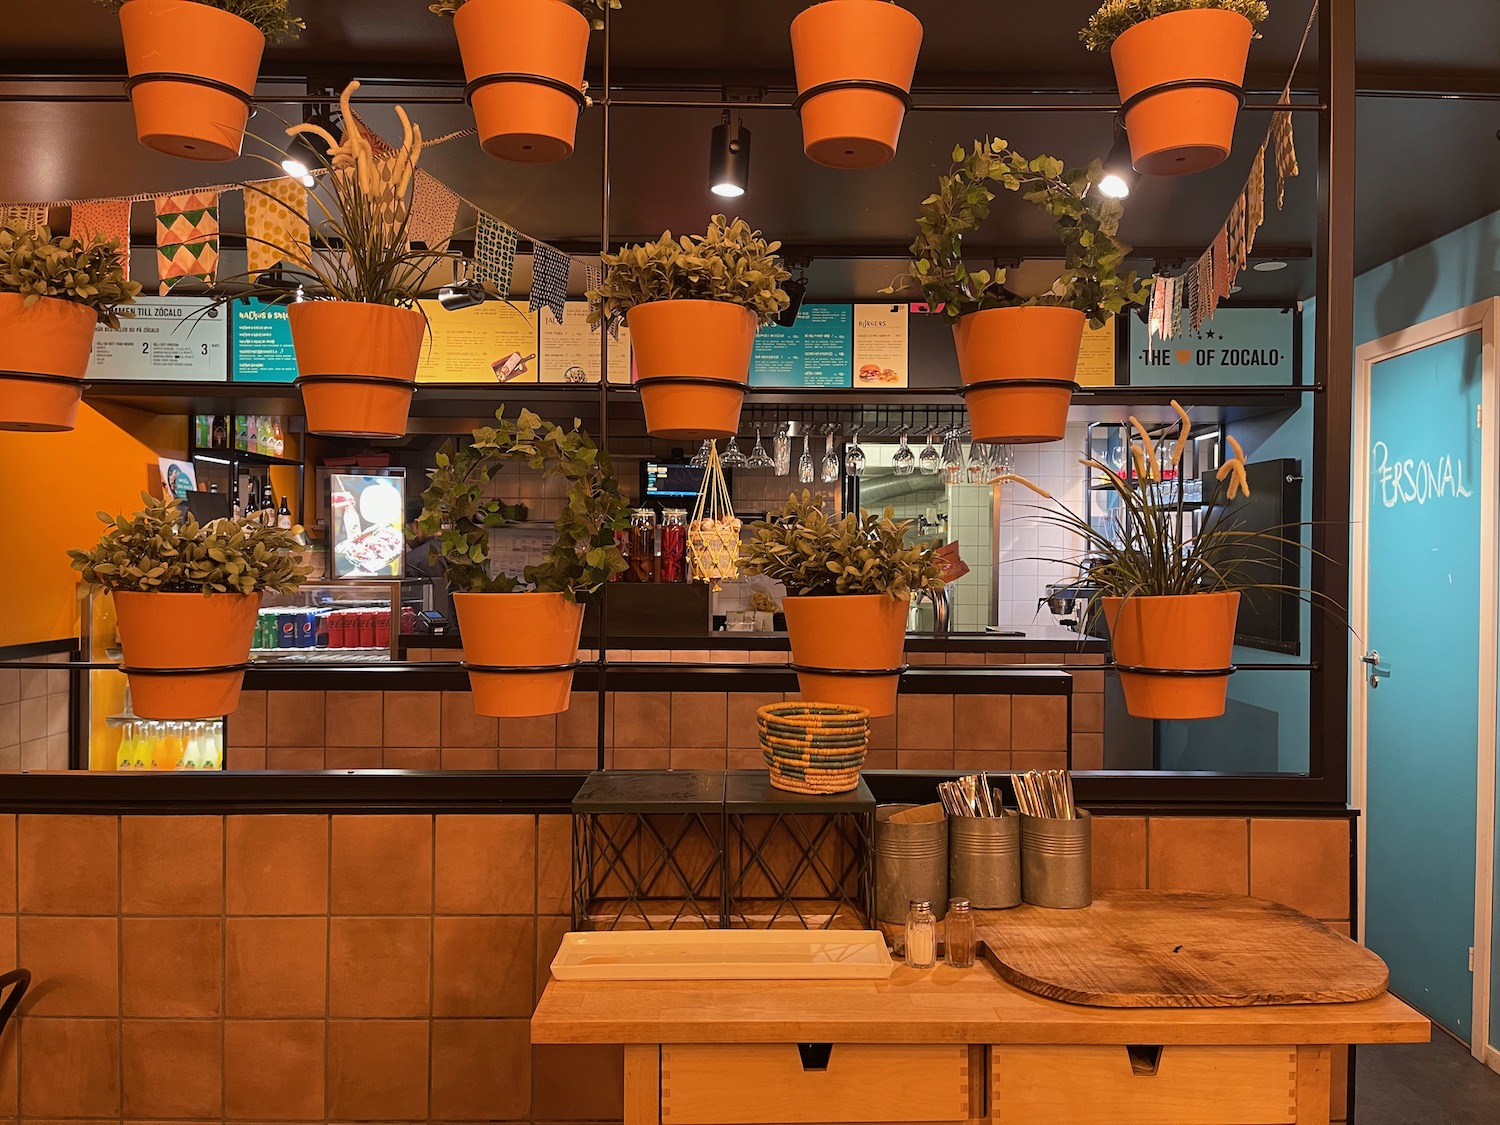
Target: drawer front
<point x="1144" y="1086"/>
<point x="768" y="1084"/>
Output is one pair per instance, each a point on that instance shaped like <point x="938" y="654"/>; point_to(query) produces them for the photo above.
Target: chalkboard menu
<point x="262" y="337"/>
<point x="816" y="351"/>
<point x="168" y="338"/>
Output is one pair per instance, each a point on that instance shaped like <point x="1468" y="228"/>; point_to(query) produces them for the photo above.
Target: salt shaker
<point x="921" y="935"/>
<point x="959" y="934"/>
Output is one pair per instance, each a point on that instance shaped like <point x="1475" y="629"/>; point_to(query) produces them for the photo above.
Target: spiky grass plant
<point x="1116" y="17"/>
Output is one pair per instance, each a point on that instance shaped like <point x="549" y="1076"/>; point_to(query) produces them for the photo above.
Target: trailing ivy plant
<point x="270" y="17"/>
<point x="730" y="262"/>
<point x="1093" y="280"/>
<point x="812" y="553"/>
<point x="36" y="264"/>
<point x="1116" y="17"/>
<point x="163" y="549"/>
<point x="458" y="516"/>
<point x="593" y="9"/>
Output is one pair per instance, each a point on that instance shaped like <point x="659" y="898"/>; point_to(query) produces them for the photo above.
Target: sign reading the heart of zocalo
<point x="1238" y="346"/>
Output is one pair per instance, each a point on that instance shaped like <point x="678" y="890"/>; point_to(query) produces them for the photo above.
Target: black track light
<point x="1120" y="178"/>
<point x="464" y="294"/>
<point x="303" y="154"/>
<point x="796" y="289"/>
<point x="729" y="159"/>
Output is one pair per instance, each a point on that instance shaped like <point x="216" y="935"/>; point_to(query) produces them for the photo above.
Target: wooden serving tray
<point x="723" y="955"/>
<point x="1152" y="949"/>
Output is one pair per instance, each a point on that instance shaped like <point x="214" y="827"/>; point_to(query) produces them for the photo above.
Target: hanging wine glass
<point x="1003" y="461"/>
<point x="854" y="456"/>
<point x="931" y="461"/>
<point x="904" y="461"/>
<point x="806" y="474"/>
<point x="700" y="459"/>
<point x="759" y="458"/>
<point x="781" y="451"/>
<point x="978" y="451"/>
<point x="953" y="458"/>
<point x="830" y="456"/>
<point x="732" y="457"/>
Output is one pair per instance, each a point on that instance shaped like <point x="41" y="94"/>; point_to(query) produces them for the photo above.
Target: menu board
<point x="570" y="350"/>
<point x="488" y="343"/>
<point x="167" y="338"/>
<point x="1096" y="359"/>
<point x="816" y="351"/>
<point x="1239" y="345"/>
<point x="880" y="346"/>
<point x="367" y="511"/>
<point x="262" y="335"/>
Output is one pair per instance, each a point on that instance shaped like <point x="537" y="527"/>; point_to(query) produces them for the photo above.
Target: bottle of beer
<point x="284" y="516"/>
<point x="219" y="436"/>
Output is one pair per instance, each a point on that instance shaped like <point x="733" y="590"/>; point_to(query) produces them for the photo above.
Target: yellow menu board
<point x="570" y="350"/>
<point x="492" y="342"/>
<point x="880" y="346"/>
<point x="1096" y="361"/>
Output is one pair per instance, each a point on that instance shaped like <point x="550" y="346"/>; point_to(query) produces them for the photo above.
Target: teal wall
<point x="1451" y="273"/>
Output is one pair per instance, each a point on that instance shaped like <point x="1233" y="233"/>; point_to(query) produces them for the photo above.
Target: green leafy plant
<point x="270" y="17"/>
<point x="458" y="516"/>
<point x="594" y="9"/>
<point x="1092" y="281"/>
<point x="164" y="550"/>
<point x="730" y="262"/>
<point x="36" y="264"/>
<point x="1116" y="17"/>
<point x="810" y="552"/>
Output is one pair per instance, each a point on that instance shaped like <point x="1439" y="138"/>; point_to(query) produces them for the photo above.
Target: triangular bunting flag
<point x="275" y="223"/>
<point x="1286" y="151"/>
<point x="549" y="279"/>
<point x="434" y="210"/>
<point x="107" y="217"/>
<point x="187" y="238"/>
<point x="23" y="216"/>
<point x="494" y="253"/>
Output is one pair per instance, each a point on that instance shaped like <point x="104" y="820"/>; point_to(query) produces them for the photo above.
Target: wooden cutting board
<point x="1151" y="949"/>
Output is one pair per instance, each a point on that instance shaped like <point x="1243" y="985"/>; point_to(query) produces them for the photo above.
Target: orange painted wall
<point x="51" y="486"/>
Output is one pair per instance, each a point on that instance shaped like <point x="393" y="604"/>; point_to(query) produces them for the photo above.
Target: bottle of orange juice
<point x="125" y="755"/>
<point x="170" y="750"/>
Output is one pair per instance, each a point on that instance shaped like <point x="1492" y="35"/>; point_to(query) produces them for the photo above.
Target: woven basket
<point x="813" y="747"/>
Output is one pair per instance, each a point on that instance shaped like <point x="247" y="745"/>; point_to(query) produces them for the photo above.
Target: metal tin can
<point x="984" y="860"/>
<point x="911" y="862"/>
<point x="1057" y="861"/>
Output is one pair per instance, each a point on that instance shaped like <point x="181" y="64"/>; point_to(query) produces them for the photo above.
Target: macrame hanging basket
<point x="713" y="540"/>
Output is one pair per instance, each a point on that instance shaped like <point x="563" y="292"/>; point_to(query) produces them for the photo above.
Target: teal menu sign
<point x="1240" y="345"/>
<point x="262" y="338"/>
<point x="817" y="351"/>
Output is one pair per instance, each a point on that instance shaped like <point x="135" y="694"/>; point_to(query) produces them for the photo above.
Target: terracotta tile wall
<point x="34" y="716"/>
<point x="345" y="968"/>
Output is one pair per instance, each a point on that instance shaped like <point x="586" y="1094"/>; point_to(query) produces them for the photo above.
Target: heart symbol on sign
<point x="1183" y="355"/>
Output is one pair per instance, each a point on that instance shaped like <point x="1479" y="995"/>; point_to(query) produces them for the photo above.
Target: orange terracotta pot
<point x="519" y="630"/>
<point x="202" y="119"/>
<point x="50" y="342"/>
<point x="839" y="40"/>
<point x="692" y="361"/>
<point x="1175" y="132"/>
<point x="1192" y="631"/>
<point x="1019" y="368"/>
<point x="526" y="121"/>
<point x="185" y="631"/>
<point x="356" y="365"/>
<point x="848" y="632"/>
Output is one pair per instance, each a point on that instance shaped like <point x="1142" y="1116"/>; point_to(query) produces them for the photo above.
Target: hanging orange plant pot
<point x="1173" y="654"/>
<point x="192" y="76"/>
<point x="523" y="60"/>
<point x="356" y="365"/>
<point x="854" y="61"/>
<point x="520" y="651"/>
<point x="848" y="648"/>
<point x="185" y="654"/>
<point x="692" y="361"/>
<point x="1181" y="77"/>
<point x="1019" y="368"/>
<point x="44" y="352"/>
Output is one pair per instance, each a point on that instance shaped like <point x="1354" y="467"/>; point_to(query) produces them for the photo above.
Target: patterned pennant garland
<point x="1203" y="306"/>
<point x="1190" y="300"/>
<point x="1223" y="272"/>
<point x="549" y="279"/>
<point x="187" y="238"/>
<point x="1236" y="230"/>
<point x="23" y="216"/>
<point x="107" y="217"/>
<point x="275" y="223"/>
<point x="1255" y="200"/>
<point x="434" y="211"/>
<point x="1286" y="151"/>
<point x="1156" y="308"/>
<point x="1174" y="327"/>
<point x="593" y="276"/>
<point x="494" y="253"/>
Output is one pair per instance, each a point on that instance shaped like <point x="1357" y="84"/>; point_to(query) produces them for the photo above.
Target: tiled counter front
<point x="353" y="968"/>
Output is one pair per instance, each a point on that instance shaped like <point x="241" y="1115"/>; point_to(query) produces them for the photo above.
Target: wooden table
<point x="948" y="1045"/>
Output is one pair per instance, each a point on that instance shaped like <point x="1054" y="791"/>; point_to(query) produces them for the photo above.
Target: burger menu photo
<point x="880" y="342"/>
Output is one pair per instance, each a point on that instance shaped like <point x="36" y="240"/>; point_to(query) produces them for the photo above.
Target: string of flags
<point x="276" y="212"/>
<point x="1175" y="303"/>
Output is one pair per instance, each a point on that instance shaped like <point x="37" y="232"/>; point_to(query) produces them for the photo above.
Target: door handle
<point x="1371" y="658"/>
<point x="1378" y="672"/>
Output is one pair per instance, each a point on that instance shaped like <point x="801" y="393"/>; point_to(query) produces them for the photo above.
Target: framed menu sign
<point x="880" y="346"/>
<point x="167" y="338"/>
<point x="570" y="350"/>
<point x="488" y="343"/>
<point x="262" y="334"/>
<point x="1240" y="345"/>
<point x="816" y="351"/>
<point x="1096" y="358"/>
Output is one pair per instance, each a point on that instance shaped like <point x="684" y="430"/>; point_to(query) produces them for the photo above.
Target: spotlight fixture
<point x="301" y="155"/>
<point x="796" y="289"/>
<point x="1268" y="267"/>
<point x="463" y="294"/>
<point x="729" y="159"/>
<point x="1120" y="178"/>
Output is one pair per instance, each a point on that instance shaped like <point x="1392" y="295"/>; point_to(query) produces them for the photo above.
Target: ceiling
<point x="855" y="222"/>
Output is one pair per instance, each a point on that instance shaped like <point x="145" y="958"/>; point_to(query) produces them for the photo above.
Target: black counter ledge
<point x="1032" y="638"/>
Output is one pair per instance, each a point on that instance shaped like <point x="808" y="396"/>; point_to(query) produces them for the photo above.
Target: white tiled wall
<point x="34" y="710"/>
<point x="971" y="511"/>
<point x="1024" y="538"/>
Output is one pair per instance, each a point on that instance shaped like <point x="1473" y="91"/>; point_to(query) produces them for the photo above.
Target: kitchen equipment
<point x="1154" y="949"/>
<point x="984" y="860"/>
<point x="1073" y="602"/>
<point x="931" y="611"/>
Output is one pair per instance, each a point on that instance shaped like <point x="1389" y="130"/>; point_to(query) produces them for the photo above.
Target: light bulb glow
<point x="1113" y="186"/>
<point x="727" y="190"/>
